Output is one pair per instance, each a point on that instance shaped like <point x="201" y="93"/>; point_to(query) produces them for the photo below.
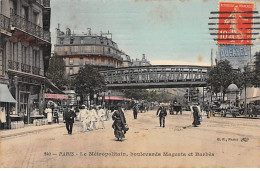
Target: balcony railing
<point x="36" y="70"/>
<point x="100" y="64"/>
<point x="5" y="23"/>
<point x="23" y="67"/>
<point x="27" y="26"/>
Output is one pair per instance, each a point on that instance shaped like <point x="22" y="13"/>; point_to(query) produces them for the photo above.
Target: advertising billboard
<point x="235" y="23"/>
<point x="237" y="55"/>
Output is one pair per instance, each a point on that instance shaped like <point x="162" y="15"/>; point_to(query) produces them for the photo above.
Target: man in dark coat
<point x="69" y="119"/>
<point x="135" y="111"/>
<point x="162" y="112"/>
<point x="207" y="109"/>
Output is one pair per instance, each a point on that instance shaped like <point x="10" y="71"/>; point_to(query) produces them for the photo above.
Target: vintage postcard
<point x="129" y="83"/>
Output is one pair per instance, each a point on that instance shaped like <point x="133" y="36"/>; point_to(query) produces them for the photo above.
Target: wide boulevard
<point x="217" y="142"/>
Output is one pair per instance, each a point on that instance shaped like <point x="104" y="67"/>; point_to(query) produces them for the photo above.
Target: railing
<point x="5" y="23"/>
<point x="24" y="67"/>
<point x="27" y="26"/>
<point x="36" y="70"/>
<point x="92" y="52"/>
<point x="47" y="36"/>
<point x="156" y="76"/>
<point x="13" y="65"/>
<point x="100" y="64"/>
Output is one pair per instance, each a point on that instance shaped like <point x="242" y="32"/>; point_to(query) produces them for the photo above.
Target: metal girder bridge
<point x="156" y="76"/>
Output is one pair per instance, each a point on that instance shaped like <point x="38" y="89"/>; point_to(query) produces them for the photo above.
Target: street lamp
<point x="95" y="99"/>
<point x="109" y="102"/>
<point x="16" y="94"/>
<point x="188" y="92"/>
<point x="198" y="94"/>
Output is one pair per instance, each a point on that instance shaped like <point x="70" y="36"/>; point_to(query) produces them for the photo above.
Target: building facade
<point x="142" y="62"/>
<point x="25" y="49"/>
<point x="80" y="49"/>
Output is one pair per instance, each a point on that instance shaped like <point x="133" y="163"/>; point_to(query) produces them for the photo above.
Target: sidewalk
<point x="28" y="129"/>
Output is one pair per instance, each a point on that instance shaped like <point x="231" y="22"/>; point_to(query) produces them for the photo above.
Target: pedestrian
<point x="101" y="116"/>
<point x="69" y="119"/>
<point x="56" y="116"/>
<point x="162" y="113"/>
<point x="92" y="117"/>
<point x="104" y="113"/>
<point x="48" y="112"/>
<point x="95" y="117"/>
<point x="120" y="127"/>
<point x="207" y="109"/>
<point x="82" y="116"/>
<point x="195" y="113"/>
<point x="135" y="111"/>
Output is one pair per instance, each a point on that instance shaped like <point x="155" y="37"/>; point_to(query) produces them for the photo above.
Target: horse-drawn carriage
<point x="175" y="108"/>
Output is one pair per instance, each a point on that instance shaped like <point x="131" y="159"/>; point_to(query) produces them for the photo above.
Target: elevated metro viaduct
<point x="156" y="76"/>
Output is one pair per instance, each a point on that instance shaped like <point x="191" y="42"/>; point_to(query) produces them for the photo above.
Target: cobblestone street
<point x="224" y="142"/>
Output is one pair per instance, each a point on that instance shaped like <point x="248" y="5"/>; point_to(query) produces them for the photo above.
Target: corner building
<point x="25" y="49"/>
<point x="80" y="49"/>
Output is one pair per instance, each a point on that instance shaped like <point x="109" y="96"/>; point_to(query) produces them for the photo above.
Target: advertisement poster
<point x="129" y="84"/>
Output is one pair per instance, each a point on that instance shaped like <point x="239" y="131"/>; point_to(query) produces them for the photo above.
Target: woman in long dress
<point x="195" y="111"/>
<point x="48" y="110"/>
<point x="119" y="124"/>
<point x="101" y="114"/>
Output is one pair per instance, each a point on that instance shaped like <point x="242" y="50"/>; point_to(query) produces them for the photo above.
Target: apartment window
<point x="81" y="61"/>
<point x="71" y="61"/>
<point x="71" y="71"/>
<point x="61" y="41"/>
<point x="82" y="41"/>
<point x="24" y="54"/>
<point x="24" y="12"/>
<point x="13" y="51"/>
<point x="13" y="6"/>
<point x="36" y="18"/>
<point x="36" y="58"/>
<point x="71" y="40"/>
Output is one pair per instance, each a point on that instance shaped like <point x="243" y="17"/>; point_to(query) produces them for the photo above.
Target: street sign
<point x="235" y="23"/>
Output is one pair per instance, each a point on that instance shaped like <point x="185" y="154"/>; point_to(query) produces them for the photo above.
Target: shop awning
<point x="115" y="98"/>
<point x="5" y="95"/>
<point x="52" y="86"/>
<point x="55" y="96"/>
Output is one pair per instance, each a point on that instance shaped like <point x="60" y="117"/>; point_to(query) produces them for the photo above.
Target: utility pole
<point x="211" y="58"/>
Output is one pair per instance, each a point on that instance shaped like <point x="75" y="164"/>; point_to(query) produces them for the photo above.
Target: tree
<point x="220" y="77"/>
<point x="256" y="72"/>
<point x="56" y="72"/>
<point x="242" y="79"/>
<point x="137" y="94"/>
<point x="150" y="96"/>
<point x="89" y="81"/>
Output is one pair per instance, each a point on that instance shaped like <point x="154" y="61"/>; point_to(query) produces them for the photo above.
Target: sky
<point x="172" y="32"/>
